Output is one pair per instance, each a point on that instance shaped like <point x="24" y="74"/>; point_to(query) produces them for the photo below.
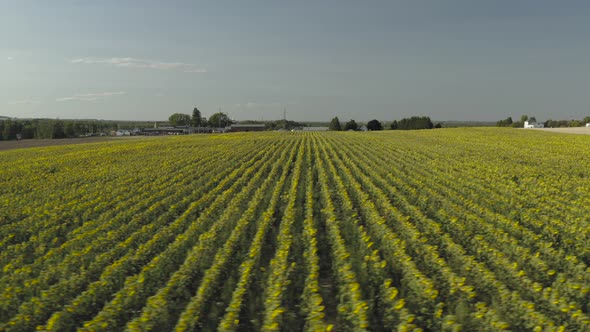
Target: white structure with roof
<point x="533" y="124"/>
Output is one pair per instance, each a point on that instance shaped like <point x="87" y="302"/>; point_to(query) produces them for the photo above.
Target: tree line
<point x="412" y="123"/>
<point x="218" y="119"/>
<point x="508" y="122"/>
<point x="56" y="128"/>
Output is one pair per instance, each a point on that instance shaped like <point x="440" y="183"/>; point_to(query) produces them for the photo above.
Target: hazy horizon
<point x="453" y="60"/>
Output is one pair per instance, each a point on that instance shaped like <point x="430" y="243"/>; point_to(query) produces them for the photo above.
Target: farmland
<point x="467" y="229"/>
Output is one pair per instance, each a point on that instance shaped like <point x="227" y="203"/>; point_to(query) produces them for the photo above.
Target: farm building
<point x="533" y="124"/>
<point x="247" y="127"/>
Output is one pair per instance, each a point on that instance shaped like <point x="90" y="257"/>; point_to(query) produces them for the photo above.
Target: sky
<point x="467" y="60"/>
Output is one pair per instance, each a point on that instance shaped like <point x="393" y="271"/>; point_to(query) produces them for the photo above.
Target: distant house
<point x="315" y="129"/>
<point x="533" y="124"/>
<point x="247" y="127"/>
<point x="587" y="125"/>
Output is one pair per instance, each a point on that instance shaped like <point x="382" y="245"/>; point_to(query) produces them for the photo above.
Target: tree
<point x="69" y="131"/>
<point x="58" y="129"/>
<point x="374" y="125"/>
<point x="180" y="119"/>
<point x="438" y="125"/>
<point x="524" y="117"/>
<point x="7" y="132"/>
<point x="219" y="120"/>
<point x="415" y="122"/>
<point x="532" y="119"/>
<point x="351" y="125"/>
<point x="197" y="119"/>
<point x="394" y="125"/>
<point x="335" y="124"/>
<point x="505" y="123"/>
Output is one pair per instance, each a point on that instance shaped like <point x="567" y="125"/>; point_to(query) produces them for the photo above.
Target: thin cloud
<point x="23" y="102"/>
<point x="90" y="96"/>
<point x="142" y="63"/>
<point x="9" y="58"/>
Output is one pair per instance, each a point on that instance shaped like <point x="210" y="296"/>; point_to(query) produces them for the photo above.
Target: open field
<point x="573" y="130"/>
<point x="472" y="229"/>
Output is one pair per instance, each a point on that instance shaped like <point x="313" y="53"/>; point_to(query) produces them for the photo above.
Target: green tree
<point x="374" y="125"/>
<point x="179" y="119"/>
<point x="505" y="123"/>
<point x="335" y="124"/>
<point x="197" y="119"/>
<point x="415" y="122"/>
<point x="524" y="118"/>
<point x="59" y="129"/>
<point x="70" y="130"/>
<point x="219" y="120"/>
<point x="351" y="125"/>
<point x="394" y="125"/>
<point x="7" y="130"/>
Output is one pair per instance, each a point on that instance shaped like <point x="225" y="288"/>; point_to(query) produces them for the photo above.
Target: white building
<point x="533" y="124"/>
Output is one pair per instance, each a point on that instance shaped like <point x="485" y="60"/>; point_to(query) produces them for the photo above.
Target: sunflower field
<point x="468" y="229"/>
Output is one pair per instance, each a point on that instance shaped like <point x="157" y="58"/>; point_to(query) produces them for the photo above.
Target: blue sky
<point x="144" y="60"/>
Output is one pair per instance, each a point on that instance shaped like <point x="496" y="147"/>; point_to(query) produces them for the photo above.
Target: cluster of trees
<point x="508" y="122"/>
<point x="567" y="123"/>
<point x="218" y="119"/>
<point x="337" y="126"/>
<point x="55" y="128"/>
<point x="352" y="125"/>
<point x="414" y="123"/>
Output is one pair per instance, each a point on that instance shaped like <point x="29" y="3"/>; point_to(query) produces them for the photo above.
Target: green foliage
<point x="180" y="119"/>
<point x="442" y="230"/>
<point x="219" y="120"/>
<point x="351" y="125"/>
<point x="51" y="128"/>
<point x="505" y="123"/>
<point x="58" y="129"/>
<point x="284" y="124"/>
<point x="197" y="119"/>
<point x="415" y="122"/>
<point x="374" y="125"/>
<point x="335" y="124"/>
